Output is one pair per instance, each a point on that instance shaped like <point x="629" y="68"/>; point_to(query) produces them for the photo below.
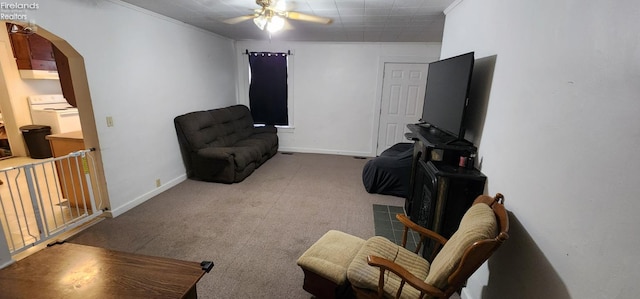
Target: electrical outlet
<point x="158" y="183"/>
<point x="109" y="121"/>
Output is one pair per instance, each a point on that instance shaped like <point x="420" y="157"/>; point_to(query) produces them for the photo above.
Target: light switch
<point x="109" y="121"/>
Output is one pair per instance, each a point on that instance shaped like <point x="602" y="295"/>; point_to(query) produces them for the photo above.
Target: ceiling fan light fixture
<point x="275" y="24"/>
<point x="260" y="21"/>
<point x="273" y="15"/>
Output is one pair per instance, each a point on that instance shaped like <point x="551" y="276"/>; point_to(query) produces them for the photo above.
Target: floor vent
<point x="286" y="153"/>
<point x="361" y="158"/>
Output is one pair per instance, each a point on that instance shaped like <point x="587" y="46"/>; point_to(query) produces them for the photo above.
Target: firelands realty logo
<point x="16" y="11"/>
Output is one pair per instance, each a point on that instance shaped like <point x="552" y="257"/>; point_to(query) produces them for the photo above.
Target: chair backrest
<point x="483" y="228"/>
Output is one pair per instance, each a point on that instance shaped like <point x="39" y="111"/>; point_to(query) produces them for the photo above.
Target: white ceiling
<point x="353" y="20"/>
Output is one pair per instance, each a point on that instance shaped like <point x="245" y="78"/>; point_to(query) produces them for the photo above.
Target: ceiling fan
<point x="271" y="16"/>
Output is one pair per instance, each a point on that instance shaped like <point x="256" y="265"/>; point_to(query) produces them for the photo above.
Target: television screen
<point x="446" y="94"/>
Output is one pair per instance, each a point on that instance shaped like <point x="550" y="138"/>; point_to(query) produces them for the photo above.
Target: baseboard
<point x="132" y="204"/>
<point x="7" y="264"/>
<point x="324" y="151"/>
<point x="135" y="202"/>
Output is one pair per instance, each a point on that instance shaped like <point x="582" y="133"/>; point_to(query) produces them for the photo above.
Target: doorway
<point x="403" y="88"/>
<point x="34" y="94"/>
<point x="73" y="79"/>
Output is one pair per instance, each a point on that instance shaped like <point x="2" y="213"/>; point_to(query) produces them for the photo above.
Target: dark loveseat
<point x="390" y="173"/>
<point x="222" y="145"/>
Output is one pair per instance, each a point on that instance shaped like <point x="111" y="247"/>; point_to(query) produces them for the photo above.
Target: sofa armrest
<point x="265" y="129"/>
<point x="216" y="153"/>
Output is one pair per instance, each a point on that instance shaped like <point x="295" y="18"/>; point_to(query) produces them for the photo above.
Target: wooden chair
<point x="382" y="269"/>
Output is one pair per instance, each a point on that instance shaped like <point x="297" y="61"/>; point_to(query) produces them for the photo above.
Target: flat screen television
<point x="446" y="94"/>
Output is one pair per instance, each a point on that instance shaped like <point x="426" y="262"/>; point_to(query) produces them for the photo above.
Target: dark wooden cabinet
<point x="432" y="145"/>
<point x="441" y="191"/>
<point x="32" y="52"/>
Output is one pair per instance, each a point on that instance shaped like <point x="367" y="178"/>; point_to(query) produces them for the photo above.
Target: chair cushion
<point x="330" y="256"/>
<point x="361" y="275"/>
<point x="478" y="223"/>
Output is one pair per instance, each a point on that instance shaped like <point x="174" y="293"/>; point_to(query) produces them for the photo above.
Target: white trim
<point x="144" y="197"/>
<point x="164" y="18"/>
<point x="281" y="129"/>
<point x="286" y="129"/>
<point x="242" y="82"/>
<point x="452" y="7"/>
<point x="7" y="264"/>
<point x="324" y="151"/>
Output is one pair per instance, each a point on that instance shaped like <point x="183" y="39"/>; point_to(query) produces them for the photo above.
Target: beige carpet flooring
<point x="254" y="231"/>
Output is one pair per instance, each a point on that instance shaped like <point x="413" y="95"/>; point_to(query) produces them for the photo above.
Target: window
<point x="268" y="89"/>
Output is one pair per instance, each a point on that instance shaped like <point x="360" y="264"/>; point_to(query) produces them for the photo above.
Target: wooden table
<point x="77" y="271"/>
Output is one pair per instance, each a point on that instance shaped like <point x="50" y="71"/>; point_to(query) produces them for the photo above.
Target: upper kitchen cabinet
<point x="33" y="53"/>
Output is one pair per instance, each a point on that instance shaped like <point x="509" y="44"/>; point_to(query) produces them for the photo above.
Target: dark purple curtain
<point x="268" y="88"/>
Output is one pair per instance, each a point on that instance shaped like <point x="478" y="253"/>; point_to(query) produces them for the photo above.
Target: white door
<point x="403" y="88"/>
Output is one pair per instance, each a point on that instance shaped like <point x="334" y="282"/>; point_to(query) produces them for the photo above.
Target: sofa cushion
<point x="264" y="141"/>
<point x="217" y="127"/>
<point x="197" y="128"/>
<point x="232" y="124"/>
<point x="245" y="155"/>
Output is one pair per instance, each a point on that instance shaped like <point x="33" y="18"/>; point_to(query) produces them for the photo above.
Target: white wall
<point x="336" y="96"/>
<point x="143" y="70"/>
<point x="560" y="140"/>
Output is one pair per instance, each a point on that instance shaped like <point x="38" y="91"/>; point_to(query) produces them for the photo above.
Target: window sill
<point x="285" y="129"/>
<point x="281" y="129"/>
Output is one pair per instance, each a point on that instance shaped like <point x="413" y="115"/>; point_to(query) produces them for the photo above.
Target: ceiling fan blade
<point x="280" y="5"/>
<point x="287" y="25"/>
<point x="239" y="19"/>
<point x="308" y="18"/>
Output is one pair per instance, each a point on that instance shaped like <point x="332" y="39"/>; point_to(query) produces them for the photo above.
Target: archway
<point x="75" y="86"/>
